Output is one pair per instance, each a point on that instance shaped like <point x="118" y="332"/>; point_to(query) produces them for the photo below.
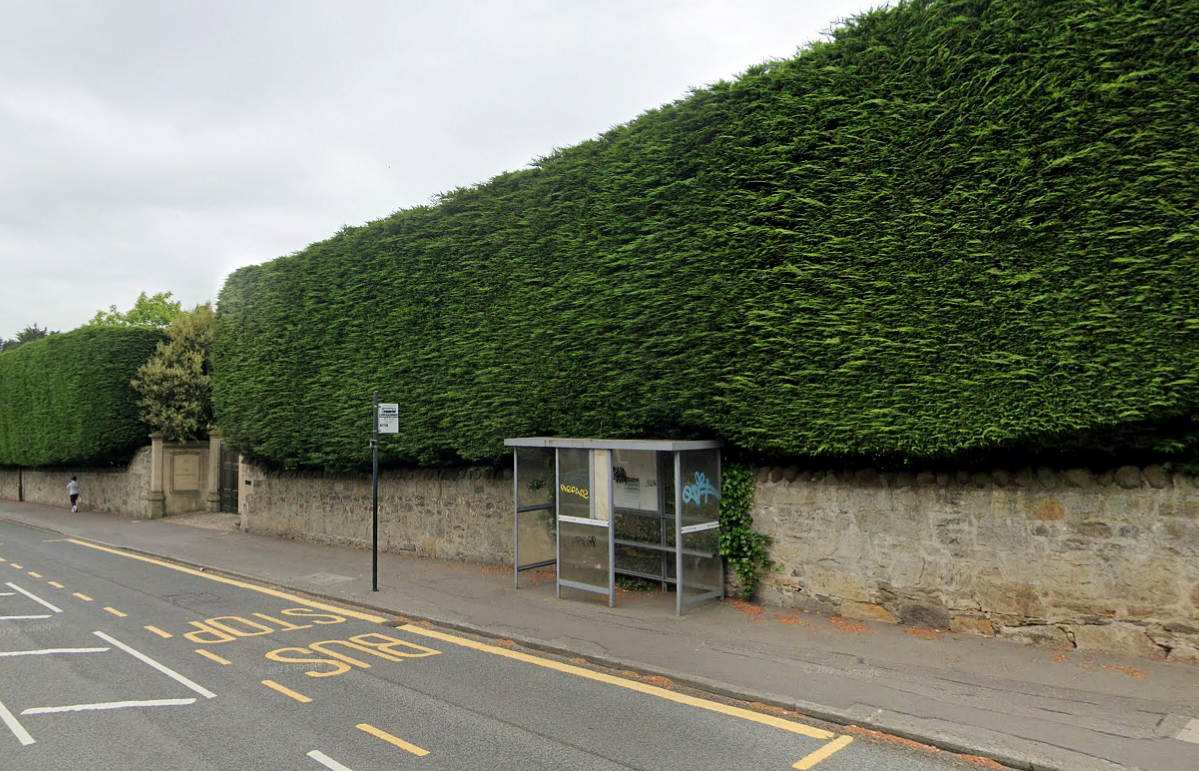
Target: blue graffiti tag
<point x="701" y="491"/>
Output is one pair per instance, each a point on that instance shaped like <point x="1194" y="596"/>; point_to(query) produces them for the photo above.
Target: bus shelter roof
<point x="659" y="445"/>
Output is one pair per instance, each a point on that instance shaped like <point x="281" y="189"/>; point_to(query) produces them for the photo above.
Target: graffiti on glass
<point x="583" y="492"/>
<point x="701" y="491"/>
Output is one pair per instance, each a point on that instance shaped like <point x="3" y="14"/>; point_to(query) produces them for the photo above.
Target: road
<point x="113" y="660"/>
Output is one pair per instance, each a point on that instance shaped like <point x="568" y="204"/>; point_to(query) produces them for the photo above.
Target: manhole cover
<point x="325" y="579"/>
<point x="194" y="599"/>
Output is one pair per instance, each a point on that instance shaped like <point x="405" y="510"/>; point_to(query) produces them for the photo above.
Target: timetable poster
<point x="635" y="480"/>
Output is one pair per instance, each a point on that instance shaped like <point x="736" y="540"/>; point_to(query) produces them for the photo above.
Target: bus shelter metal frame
<point x="557" y="444"/>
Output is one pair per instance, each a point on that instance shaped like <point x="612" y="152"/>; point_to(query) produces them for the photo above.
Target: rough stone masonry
<point x="1106" y="562"/>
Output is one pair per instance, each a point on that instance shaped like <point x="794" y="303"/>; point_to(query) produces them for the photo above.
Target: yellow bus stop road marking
<point x="57" y="585"/>
<point x="159" y="632"/>
<point x="234" y="582"/>
<point x="370" y="729"/>
<point x="116" y="612"/>
<point x="35" y="575"/>
<point x="286" y="691"/>
<point x="83" y="597"/>
<point x="823" y="753"/>
<point x="632" y="685"/>
<point x="745" y="714"/>
<point x="213" y="656"/>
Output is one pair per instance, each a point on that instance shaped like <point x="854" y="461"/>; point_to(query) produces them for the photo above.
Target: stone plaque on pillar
<point x="185" y="472"/>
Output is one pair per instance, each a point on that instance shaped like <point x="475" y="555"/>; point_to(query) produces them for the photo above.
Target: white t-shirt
<point x="72" y="487"/>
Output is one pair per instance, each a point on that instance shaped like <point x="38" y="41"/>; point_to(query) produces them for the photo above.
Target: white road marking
<point x="108" y="705"/>
<point x="50" y="651"/>
<point x="10" y="720"/>
<point x="327" y="761"/>
<point x="1190" y="733"/>
<point x="34" y="597"/>
<point x="22" y="618"/>
<point x="7" y="594"/>
<point x="160" y="667"/>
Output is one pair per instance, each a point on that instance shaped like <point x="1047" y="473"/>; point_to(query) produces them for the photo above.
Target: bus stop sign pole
<point x="375" y="497"/>
<point x="387" y="421"/>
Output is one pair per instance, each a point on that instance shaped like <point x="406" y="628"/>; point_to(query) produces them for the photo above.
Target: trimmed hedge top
<point x="958" y="225"/>
<point x="66" y="399"/>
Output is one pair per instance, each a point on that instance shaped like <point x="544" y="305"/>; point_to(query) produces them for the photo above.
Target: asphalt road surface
<point x="112" y="660"/>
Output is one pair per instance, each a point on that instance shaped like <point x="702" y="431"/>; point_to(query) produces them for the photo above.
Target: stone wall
<point x="1099" y="562"/>
<point x="119" y="490"/>
<point x="449" y="514"/>
<point x="1105" y="562"/>
<point x="10" y="484"/>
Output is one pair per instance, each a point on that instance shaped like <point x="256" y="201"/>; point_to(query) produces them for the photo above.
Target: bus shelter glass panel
<point x="574" y="483"/>
<point x="536" y="532"/>
<point x="703" y="567"/>
<point x="639" y="529"/>
<point x="699" y="565"/>
<point x="699" y="476"/>
<point x="585" y="556"/>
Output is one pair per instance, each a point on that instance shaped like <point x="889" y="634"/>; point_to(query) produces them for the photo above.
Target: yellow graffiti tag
<point x="584" y="494"/>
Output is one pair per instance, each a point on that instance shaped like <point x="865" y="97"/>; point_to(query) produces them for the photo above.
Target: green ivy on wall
<point x="743" y="548"/>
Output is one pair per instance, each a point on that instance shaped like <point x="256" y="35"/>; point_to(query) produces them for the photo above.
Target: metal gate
<point x="229" y="479"/>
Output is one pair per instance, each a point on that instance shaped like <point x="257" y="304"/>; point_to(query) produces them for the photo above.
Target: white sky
<point x="156" y="146"/>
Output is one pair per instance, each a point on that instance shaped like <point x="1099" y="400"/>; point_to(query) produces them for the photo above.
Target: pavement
<point x="1024" y="707"/>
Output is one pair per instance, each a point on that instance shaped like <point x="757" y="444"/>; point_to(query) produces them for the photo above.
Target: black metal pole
<point x="375" y="504"/>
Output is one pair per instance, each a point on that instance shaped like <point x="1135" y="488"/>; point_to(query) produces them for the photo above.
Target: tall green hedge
<point x="66" y="399"/>
<point x="955" y="226"/>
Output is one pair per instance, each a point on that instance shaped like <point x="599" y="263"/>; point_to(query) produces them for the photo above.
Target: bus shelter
<point x="596" y="509"/>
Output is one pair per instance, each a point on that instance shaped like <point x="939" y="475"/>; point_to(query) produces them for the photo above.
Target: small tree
<point x="31" y="332"/>
<point x="155" y="311"/>
<point x="175" y="385"/>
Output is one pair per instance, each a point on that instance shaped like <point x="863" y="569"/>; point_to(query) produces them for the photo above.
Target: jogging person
<point x="73" y="491"/>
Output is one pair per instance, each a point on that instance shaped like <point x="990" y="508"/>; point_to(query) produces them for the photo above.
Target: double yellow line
<point x="835" y="743"/>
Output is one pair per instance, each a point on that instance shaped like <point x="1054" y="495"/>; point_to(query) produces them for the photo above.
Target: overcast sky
<point x="157" y="146"/>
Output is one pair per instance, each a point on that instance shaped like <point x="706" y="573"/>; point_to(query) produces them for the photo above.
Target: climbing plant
<point x="742" y="547"/>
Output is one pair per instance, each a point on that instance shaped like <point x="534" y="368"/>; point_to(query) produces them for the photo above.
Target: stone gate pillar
<point x="213" y="502"/>
<point x="156" y="499"/>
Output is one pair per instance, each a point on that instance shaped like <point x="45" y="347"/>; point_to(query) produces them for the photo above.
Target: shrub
<point x="175" y="385"/>
<point x="66" y="399"/>
<point x="958" y="225"/>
